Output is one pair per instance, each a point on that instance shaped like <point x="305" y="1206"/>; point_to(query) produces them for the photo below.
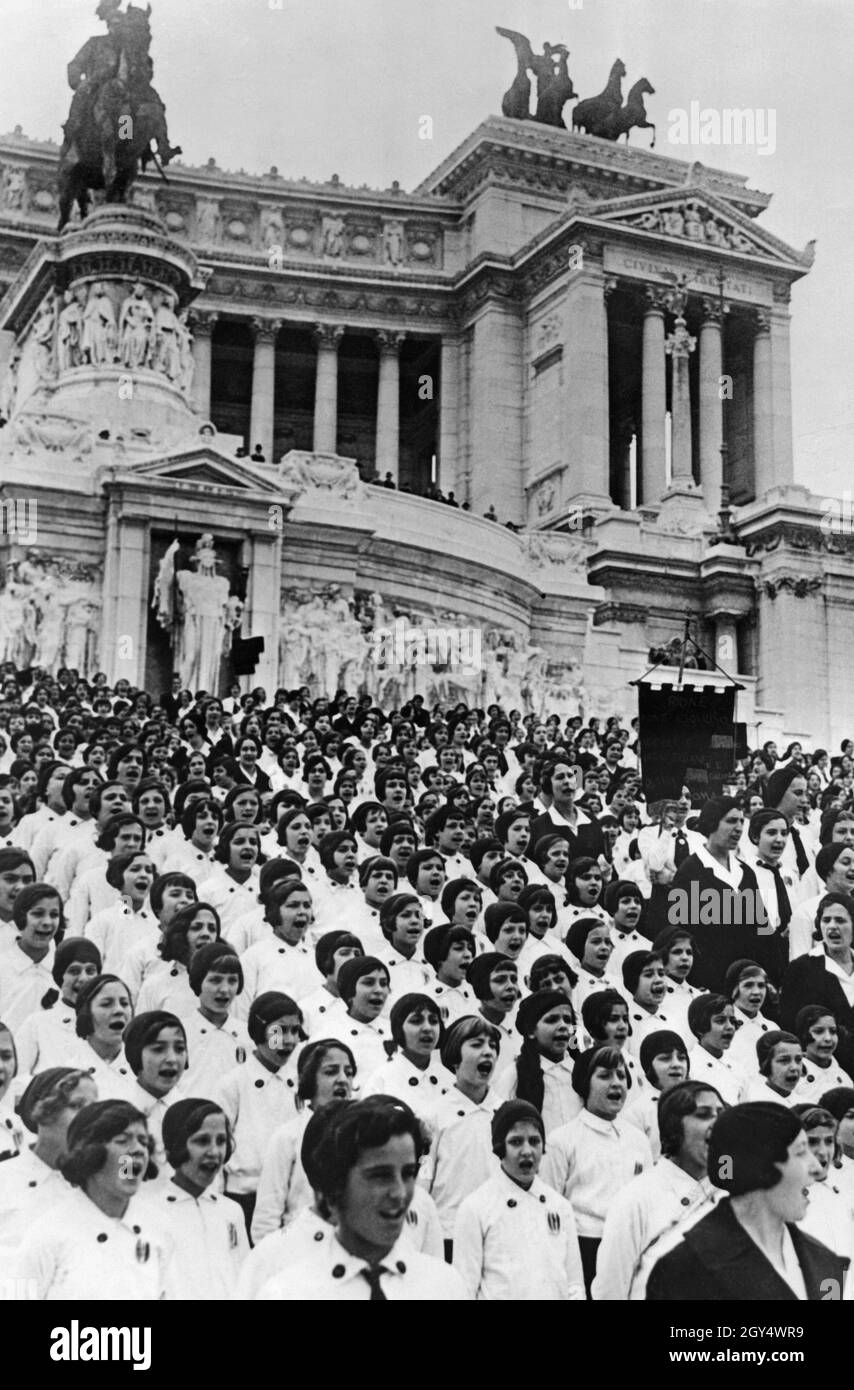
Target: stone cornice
<point x="211" y="179"/>
<point x="531" y="145"/>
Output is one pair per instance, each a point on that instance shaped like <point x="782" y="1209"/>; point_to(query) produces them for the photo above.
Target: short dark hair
<point x="89" y="1134"/>
<point x="311" y="1059"/>
<point x="674" y="1106"/>
<point x="361" y="1125"/>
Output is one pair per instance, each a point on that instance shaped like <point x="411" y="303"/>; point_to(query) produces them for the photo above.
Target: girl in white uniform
<point x="104" y="1011"/>
<point x="102" y="1239"/>
<point x="712" y="1021"/>
<point x="605" y="1017"/>
<point x="206" y="1228"/>
<point x="260" y="1095"/>
<point x="11" y="1129"/>
<point x="156" y="1052"/>
<point x="45" y="1036"/>
<point x="167" y="984"/>
<point x="128" y="919"/>
<point x="781" y="1069"/>
<point x="450" y="951"/>
<point x="818" y="1032"/>
<point x="233" y="886"/>
<point x="281" y="961"/>
<point x="664" y="1062"/>
<point x="326" y="1070"/>
<point x="33" y="1183"/>
<point x="216" y="1042"/>
<point x="515" y="1239"/>
<point x="25" y="967"/>
<point x="364" y="986"/>
<point x="590" y="1160"/>
<point x="330" y="953"/>
<point x="542" y="1072"/>
<point x="413" y="1072"/>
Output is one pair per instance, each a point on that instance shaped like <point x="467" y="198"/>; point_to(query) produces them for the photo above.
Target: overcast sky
<point x="338" y="86"/>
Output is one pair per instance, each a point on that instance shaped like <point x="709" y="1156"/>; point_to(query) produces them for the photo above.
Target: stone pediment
<point x="208" y="466"/>
<point x="698" y="218"/>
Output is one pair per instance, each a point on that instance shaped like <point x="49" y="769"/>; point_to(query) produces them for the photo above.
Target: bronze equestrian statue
<point x="554" y="85"/>
<point x="593" y="114"/>
<point x="632" y="115"/>
<point x="115" y="113"/>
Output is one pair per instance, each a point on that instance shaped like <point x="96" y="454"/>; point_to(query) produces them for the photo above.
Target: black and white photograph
<point x="426" y="620"/>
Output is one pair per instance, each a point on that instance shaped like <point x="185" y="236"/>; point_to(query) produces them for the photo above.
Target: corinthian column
<point x="263" y="384"/>
<point x="327" y="337"/>
<point x="763" y="417"/>
<point x="202" y="322"/>
<point x="679" y="346"/>
<point x="711" y="405"/>
<point x="388" y="404"/>
<point x="654" y="400"/>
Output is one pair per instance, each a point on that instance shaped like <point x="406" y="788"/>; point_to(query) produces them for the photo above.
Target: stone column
<point x="653" y="475"/>
<point x="679" y="346"/>
<point x="388" y="404"/>
<point x="586" y="417"/>
<point x="449" y="420"/>
<point x="126" y="597"/>
<point x="763" y="433"/>
<point x="711" y="405"/>
<point x="327" y="337"/>
<point x="263" y="558"/>
<point x="263" y="385"/>
<point x="783" y="462"/>
<point x="202" y="323"/>
<point x="496" y="394"/>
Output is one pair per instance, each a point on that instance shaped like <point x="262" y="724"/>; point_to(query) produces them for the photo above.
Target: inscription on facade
<point x="699" y="277"/>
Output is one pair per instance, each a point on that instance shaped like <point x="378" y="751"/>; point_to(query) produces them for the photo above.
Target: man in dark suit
<point x="750" y="1248"/>
<point x="559" y="780"/>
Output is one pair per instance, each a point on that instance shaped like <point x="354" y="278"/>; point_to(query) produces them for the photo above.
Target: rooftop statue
<point x="606" y="116"/>
<point x="554" y="84"/>
<point x="115" y="113"/>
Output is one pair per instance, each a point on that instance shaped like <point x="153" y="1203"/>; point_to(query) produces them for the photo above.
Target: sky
<point x="318" y="87"/>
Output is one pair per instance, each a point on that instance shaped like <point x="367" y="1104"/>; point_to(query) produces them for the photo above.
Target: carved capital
<point x="609" y="286"/>
<point x="328" y="335"/>
<point x="655" y="299"/>
<point x="265" y="330"/>
<point x="800" y="586"/>
<point x="203" y="322"/>
<point x="761" y="321"/>
<point x="389" y="341"/>
<point x="713" y="311"/>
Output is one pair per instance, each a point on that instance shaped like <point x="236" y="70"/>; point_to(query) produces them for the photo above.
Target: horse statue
<point x="516" y="102"/>
<point x="631" y="115"/>
<point x="115" y="115"/>
<point x="592" y="114"/>
<point x="554" y="85"/>
<point x="550" y="103"/>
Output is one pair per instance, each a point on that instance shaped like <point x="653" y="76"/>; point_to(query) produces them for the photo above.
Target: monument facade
<point x="587" y="337"/>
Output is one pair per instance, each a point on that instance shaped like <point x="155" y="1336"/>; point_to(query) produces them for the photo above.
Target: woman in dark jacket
<point x="818" y="978"/>
<point x="717" y="898"/>
<point x="749" y="1248"/>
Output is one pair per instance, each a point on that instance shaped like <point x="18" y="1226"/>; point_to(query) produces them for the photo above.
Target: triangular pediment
<point x="210" y="467"/>
<point x="695" y="217"/>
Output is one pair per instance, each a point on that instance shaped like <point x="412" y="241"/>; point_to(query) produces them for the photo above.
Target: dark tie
<point x="801" y="858"/>
<point x="372" y="1274"/>
<point x="681" y="850"/>
<point x="784" y="907"/>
